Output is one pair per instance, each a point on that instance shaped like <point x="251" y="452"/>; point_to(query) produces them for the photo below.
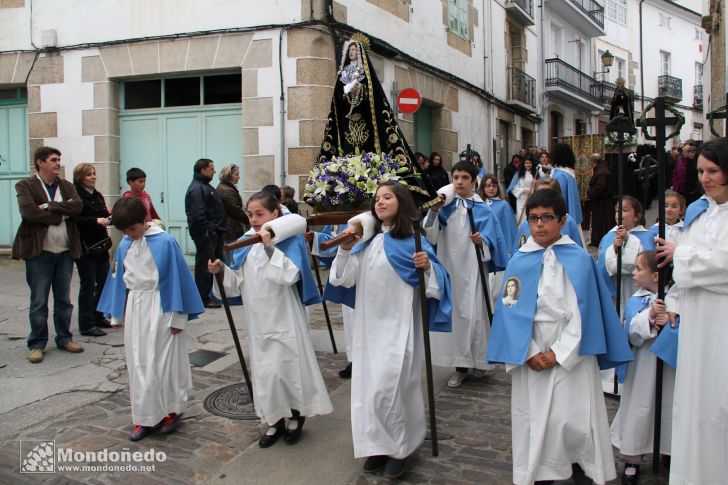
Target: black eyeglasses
<point x="533" y="219"/>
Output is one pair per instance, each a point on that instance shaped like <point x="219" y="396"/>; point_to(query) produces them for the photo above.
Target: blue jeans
<point x="46" y="271"/>
<point x="92" y="271"/>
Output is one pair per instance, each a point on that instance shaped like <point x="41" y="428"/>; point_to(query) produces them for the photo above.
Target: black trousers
<point x="203" y="278"/>
<point x="92" y="272"/>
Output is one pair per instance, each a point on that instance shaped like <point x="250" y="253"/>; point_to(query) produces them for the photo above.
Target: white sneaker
<point x="457" y="379"/>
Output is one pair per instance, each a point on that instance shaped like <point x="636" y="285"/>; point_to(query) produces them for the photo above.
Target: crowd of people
<point x="554" y="321"/>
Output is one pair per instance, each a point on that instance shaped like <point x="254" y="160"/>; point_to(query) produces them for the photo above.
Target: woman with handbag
<point x="93" y="266"/>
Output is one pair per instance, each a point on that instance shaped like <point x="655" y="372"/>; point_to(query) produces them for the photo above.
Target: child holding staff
<point x="275" y="282"/>
<point x="387" y="410"/>
<point x="449" y="227"/>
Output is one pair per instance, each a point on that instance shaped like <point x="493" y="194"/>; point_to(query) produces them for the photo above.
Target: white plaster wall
<point x="678" y="41"/>
<point x="471" y="125"/>
<point x="68" y="100"/>
<point x="498" y="53"/>
<point x="424" y="37"/>
<point x="88" y="21"/>
<point x="568" y="33"/>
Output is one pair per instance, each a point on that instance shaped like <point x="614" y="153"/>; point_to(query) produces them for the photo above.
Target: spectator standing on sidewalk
<point x="93" y="265"/>
<point x="48" y="241"/>
<point x="206" y="221"/>
<point x="237" y="219"/>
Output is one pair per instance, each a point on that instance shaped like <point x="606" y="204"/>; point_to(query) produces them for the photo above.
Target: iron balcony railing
<point x="526" y="5"/>
<point x="670" y="87"/>
<point x="594" y="10"/>
<point x="698" y="96"/>
<point x="521" y="86"/>
<point x="566" y="76"/>
<point x="606" y="92"/>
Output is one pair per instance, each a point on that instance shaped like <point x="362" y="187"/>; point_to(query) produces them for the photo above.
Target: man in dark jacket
<point x="48" y="241"/>
<point x="206" y="223"/>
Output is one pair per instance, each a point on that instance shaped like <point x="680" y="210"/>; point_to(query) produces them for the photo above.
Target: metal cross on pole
<point x="719" y="114"/>
<point x="621" y="124"/>
<point x="659" y="123"/>
<point x="645" y="173"/>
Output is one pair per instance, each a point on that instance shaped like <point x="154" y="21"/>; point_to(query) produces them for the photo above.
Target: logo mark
<point x="37" y="456"/>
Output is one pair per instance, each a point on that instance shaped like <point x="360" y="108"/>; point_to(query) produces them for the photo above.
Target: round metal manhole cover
<point x="232" y="402"/>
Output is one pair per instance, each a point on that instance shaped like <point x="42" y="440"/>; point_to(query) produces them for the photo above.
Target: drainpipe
<point x="541" y="66"/>
<point x="282" y="120"/>
<point x="642" y="66"/>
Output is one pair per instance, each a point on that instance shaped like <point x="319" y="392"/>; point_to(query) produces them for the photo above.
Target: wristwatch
<point x="45" y="206"/>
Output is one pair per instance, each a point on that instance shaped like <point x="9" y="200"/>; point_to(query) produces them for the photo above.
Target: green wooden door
<point x="14" y="165"/>
<point x="423" y="130"/>
<point x="166" y="144"/>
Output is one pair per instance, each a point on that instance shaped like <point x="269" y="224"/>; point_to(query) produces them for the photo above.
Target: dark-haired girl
<point x="387" y="409"/>
<point x="274" y="279"/>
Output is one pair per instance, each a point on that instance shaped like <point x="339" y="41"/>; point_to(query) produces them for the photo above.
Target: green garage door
<point x="14" y="161"/>
<point x="166" y="146"/>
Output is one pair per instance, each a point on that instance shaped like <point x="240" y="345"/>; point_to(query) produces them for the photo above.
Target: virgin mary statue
<point x="361" y="119"/>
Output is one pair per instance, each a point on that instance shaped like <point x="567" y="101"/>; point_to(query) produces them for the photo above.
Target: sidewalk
<point x="81" y="401"/>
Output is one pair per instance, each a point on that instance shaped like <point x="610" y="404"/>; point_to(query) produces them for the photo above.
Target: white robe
<point x="700" y="296"/>
<point x="632" y="430"/>
<point x="558" y="415"/>
<point x="467" y="344"/>
<point x="160" y="380"/>
<point x="387" y="406"/>
<point x="630" y="251"/>
<point x="285" y="373"/>
<point x="521" y="192"/>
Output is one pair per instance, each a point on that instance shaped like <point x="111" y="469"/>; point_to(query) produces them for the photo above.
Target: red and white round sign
<point x="408" y="100"/>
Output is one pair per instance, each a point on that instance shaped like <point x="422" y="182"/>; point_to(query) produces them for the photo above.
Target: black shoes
<point x="212" y="304"/>
<point x="292" y="435"/>
<point x="579" y="476"/>
<point x="345" y="373"/>
<point x="94" y="332"/>
<point x="631" y="474"/>
<point x="103" y="323"/>
<point x="375" y="463"/>
<point x="268" y="440"/>
<point x="395" y="468"/>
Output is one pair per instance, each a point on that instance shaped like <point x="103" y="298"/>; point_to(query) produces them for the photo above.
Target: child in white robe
<point x="387" y="408"/>
<point x="140" y="295"/>
<point x="633" y="427"/>
<point x="632" y="238"/>
<point x="559" y="417"/>
<point x="465" y="347"/>
<point x="287" y="381"/>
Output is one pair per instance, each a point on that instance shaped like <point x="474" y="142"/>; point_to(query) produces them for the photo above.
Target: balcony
<point x="606" y="93"/>
<point x="586" y="15"/>
<point x="572" y="86"/>
<point x="670" y="87"/>
<point x="698" y="97"/>
<point x="521" y="89"/>
<point x="521" y="10"/>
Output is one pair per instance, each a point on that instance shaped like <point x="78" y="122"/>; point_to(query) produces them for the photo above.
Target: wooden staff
<point x="479" y="255"/>
<point x="248" y="241"/>
<point x="229" y="315"/>
<point x="342" y="238"/>
<point x="426" y="339"/>
<point x="315" y="261"/>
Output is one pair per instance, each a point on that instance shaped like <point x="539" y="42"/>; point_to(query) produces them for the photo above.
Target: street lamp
<point x="607" y="61"/>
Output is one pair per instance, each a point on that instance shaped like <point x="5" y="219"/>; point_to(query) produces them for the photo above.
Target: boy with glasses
<point x="557" y="328"/>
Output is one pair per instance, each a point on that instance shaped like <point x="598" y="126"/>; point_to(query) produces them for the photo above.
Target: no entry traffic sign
<point x="408" y="100"/>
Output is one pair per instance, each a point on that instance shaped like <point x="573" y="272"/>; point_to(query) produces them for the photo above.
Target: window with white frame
<point x="617" y="11"/>
<point x="699" y="33"/>
<point x="457" y="13"/>
<point x="665" y="21"/>
<point x="619" y="68"/>
<point x="556" y="35"/>
<point x="698" y="73"/>
<point x="664" y="63"/>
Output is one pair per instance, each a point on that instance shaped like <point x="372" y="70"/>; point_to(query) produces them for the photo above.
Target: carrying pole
<point x="481" y="268"/>
<point x="426" y="339"/>
<point x="229" y="315"/>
